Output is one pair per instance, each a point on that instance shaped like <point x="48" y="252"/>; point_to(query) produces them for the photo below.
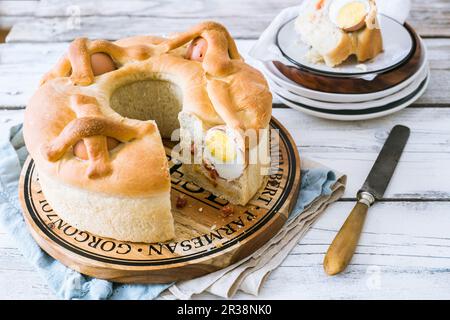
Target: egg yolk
<point x="351" y="14"/>
<point x="221" y="146"/>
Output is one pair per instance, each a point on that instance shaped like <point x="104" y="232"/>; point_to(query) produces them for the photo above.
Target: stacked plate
<point x="390" y="82"/>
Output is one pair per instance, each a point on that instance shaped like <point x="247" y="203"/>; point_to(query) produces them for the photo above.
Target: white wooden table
<point x="404" y="251"/>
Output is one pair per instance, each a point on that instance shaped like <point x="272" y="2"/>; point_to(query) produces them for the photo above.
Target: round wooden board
<point x="342" y="85"/>
<point x="206" y="240"/>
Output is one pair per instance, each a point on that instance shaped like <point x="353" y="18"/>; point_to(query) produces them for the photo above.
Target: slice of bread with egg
<point x="338" y="29"/>
<point x="228" y="163"/>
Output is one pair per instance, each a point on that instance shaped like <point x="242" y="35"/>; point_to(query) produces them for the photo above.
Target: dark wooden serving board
<point x="206" y="240"/>
<point x="383" y="81"/>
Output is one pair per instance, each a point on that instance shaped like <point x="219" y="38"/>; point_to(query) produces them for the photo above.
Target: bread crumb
<point x="314" y="56"/>
<point x="200" y="209"/>
<point x="181" y="202"/>
<point x="226" y="211"/>
<point x="362" y="67"/>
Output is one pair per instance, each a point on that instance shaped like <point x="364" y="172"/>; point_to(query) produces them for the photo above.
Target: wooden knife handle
<point x="344" y="244"/>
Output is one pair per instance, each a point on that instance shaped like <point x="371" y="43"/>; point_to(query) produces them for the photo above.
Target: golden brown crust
<point x="366" y="44"/>
<point x="138" y="167"/>
<point x="373" y="44"/>
<point x="72" y="105"/>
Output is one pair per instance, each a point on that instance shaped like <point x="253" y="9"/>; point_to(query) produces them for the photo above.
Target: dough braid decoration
<point x="77" y="62"/>
<point x="217" y="62"/>
<point x="93" y="128"/>
<point x="221" y="47"/>
<point x="90" y="124"/>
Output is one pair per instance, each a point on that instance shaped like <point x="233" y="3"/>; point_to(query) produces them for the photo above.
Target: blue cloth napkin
<point x="65" y="282"/>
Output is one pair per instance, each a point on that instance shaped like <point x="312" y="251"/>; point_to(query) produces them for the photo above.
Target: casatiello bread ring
<point x="94" y="128"/>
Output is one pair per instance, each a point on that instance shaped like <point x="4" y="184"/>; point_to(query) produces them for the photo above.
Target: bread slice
<point x="237" y="191"/>
<point x="331" y="44"/>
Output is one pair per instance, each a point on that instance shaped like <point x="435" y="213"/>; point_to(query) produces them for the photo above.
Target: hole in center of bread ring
<point x="197" y="49"/>
<point x="80" y="151"/>
<point x="102" y="63"/>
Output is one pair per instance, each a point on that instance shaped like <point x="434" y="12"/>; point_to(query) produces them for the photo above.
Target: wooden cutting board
<point x="206" y="239"/>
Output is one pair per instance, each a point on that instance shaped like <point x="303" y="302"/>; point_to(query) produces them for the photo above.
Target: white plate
<point x="274" y="74"/>
<point x="353" y="105"/>
<point x="363" y="116"/>
<point x="398" y="45"/>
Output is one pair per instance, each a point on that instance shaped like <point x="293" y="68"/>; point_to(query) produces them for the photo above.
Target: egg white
<point x="228" y="169"/>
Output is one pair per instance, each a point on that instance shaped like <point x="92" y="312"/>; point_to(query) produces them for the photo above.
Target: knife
<point x="344" y="244"/>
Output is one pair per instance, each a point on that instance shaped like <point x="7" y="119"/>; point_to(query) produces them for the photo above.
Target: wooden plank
<point x="6" y="23"/>
<point x="11" y="117"/>
<point x="352" y="147"/>
<point x="162" y="8"/>
<point x="395" y="247"/>
<point x="18" y="8"/>
<point x="62" y="21"/>
<point x="22" y="65"/>
<point x="18" y="279"/>
<point x="397" y="258"/>
<point x="12" y="12"/>
<point x="111" y="28"/>
<point x="431" y="18"/>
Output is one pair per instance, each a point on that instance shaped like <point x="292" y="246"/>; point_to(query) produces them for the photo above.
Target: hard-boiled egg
<point x="197" y="49"/>
<point x="102" y="63"/>
<point x="80" y="151"/>
<point x="224" y="152"/>
<point x="349" y="15"/>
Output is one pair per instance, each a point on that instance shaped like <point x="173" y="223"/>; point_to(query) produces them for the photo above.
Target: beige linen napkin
<point x="249" y="275"/>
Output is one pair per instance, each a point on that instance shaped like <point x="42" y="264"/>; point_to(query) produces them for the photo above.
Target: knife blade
<point x="379" y="177"/>
<point x="344" y="244"/>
